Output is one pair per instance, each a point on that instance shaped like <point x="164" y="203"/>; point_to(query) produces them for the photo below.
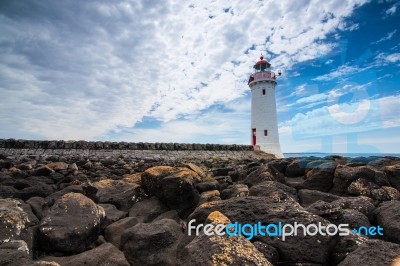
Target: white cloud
<point x="81" y="71"/>
<point x="359" y="116"/>
<point x="342" y="71"/>
<point x="387" y="37"/>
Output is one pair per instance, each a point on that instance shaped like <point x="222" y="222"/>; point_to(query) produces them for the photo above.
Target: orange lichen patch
<point x="160" y="170"/>
<point x="235" y="250"/>
<point x="104" y="183"/>
<point x="217" y="218"/>
<point x="77" y="199"/>
<point x="57" y="166"/>
<point x="208" y="204"/>
<point x="133" y="178"/>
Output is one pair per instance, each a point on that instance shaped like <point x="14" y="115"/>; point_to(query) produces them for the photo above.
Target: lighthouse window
<point x="265" y="132"/>
<point x="263" y="91"/>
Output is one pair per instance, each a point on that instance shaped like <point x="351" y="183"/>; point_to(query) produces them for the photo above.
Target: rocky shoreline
<point x="119" y="210"/>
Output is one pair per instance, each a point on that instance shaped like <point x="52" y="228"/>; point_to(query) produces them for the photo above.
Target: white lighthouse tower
<point x="264" y="123"/>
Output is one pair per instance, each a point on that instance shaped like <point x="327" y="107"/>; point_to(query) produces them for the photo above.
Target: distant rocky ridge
<point x="77" y="206"/>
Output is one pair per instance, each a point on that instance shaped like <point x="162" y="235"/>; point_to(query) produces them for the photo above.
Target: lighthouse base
<point x="271" y="148"/>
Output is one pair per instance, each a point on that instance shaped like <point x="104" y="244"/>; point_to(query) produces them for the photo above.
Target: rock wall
<point x="147" y="151"/>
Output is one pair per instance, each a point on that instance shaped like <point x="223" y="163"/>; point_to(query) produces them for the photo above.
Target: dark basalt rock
<point x="174" y="186"/>
<point x="268" y="210"/>
<point x="372" y="253"/>
<point x="387" y="215"/>
<point x="105" y="254"/>
<point x="70" y="225"/>
<point x="147" y="210"/>
<point x="152" y="243"/>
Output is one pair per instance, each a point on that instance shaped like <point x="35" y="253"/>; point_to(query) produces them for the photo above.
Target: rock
<point x="35" y="189"/>
<point x="57" y="166"/>
<point x="73" y="167"/>
<point x="207" y="186"/>
<point x="119" y="193"/>
<point x="13" y="220"/>
<point x="209" y="196"/>
<point x="147" y="210"/>
<point x="393" y="174"/>
<point x="296" y="168"/>
<point x="269" y="252"/>
<point x="274" y="190"/>
<point x="346" y="245"/>
<point x="202" y="173"/>
<point x="320" y="179"/>
<point x="174" y="186"/>
<point x="172" y="214"/>
<point x="361" y="204"/>
<point x="251" y="210"/>
<point x="70" y="225"/>
<point x="152" y="243"/>
<point x="263" y="173"/>
<point x="308" y="197"/>
<point x="344" y="175"/>
<point x="220" y="250"/>
<point x="236" y="190"/>
<point x="114" y="231"/>
<point x="223" y="182"/>
<point x="112" y="214"/>
<point x="105" y="254"/>
<point x="337" y="215"/>
<point x="43" y="171"/>
<point x="393" y="193"/>
<point x="387" y="215"/>
<point x="37" y="204"/>
<point x="362" y="187"/>
<point x="15" y="253"/>
<point x="372" y="253"/>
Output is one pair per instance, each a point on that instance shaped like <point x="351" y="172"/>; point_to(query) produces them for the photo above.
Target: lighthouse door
<point x="253" y="135"/>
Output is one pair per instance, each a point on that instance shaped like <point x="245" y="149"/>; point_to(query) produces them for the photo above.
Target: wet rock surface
<point x="127" y="208"/>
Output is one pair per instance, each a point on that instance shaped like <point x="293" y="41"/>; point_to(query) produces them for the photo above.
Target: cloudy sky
<point x="177" y="71"/>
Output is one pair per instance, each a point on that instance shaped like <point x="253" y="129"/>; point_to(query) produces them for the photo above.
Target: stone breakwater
<point x="95" y="207"/>
<point x="106" y="145"/>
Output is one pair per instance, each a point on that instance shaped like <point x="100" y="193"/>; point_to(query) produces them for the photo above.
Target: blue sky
<point x="177" y="71"/>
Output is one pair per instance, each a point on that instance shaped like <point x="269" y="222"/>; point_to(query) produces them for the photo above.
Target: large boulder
<point x="345" y="175"/>
<point x="337" y="215"/>
<point x="275" y="190"/>
<point x="372" y="253"/>
<point x="105" y="254"/>
<point x="14" y="221"/>
<point x="114" y="231"/>
<point x="307" y="196"/>
<point x="220" y="250"/>
<point x="152" y="243"/>
<point x="363" y="187"/>
<point x="147" y="210"/>
<point x="235" y="190"/>
<point x="267" y="210"/>
<point x="320" y="178"/>
<point x="174" y="186"/>
<point x="387" y="215"/>
<point x="263" y="173"/>
<point x="393" y="174"/>
<point x="112" y="214"/>
<point x="119" y="193"/>
<point x="70" y="225"/>
<point x="16" y="253"/>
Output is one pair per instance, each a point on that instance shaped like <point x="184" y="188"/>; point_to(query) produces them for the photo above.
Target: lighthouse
<point x="264" y="123"/>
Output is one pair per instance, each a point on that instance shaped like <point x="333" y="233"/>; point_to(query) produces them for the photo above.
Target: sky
<point x="177" y="71"/>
